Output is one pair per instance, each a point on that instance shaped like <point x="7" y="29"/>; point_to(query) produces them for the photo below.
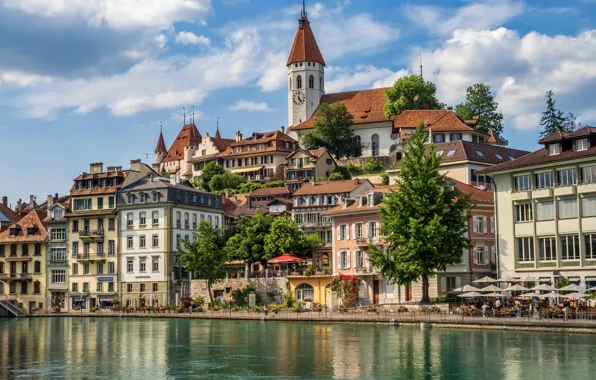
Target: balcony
<point x="587" y="188"/>
<point x="565" y="190"/>
<point x="543" y="193"/>
<point x="365" y="270"/>
<point x="84" y="257"/>
<point x="25" y="276"/>
<point x="16" y="276"/>
<point x="319" y="223"/>
<point x="90" y="234"/>
<point x="521" y="195"/>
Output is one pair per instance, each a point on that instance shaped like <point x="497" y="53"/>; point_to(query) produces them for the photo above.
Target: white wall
<point x="216" y="216"/>
<point x="385" y="140"/>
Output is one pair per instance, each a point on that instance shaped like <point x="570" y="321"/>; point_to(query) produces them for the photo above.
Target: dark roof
<point x="8" y="214"/>
<point x="305" y="47"/>
<point x="471" y="151"/>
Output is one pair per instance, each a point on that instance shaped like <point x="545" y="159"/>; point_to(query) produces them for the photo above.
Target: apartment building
<point x="23" y="255"/>
<point x="209" y="150"/>
<point x="58" y="248"/>
<point x="156" y="214"/>
<point x="546" y="209"/>
<point x="305" y="165"/>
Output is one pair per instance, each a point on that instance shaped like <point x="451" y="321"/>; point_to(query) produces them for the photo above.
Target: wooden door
<point x="376" y="292"/>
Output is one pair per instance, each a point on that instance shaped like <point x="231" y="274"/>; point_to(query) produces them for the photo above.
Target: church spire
<point x="161" y="144"/>
<point x="303" y="14"/>
<point x="305" y="47"/>
<point x="217" y="135"/>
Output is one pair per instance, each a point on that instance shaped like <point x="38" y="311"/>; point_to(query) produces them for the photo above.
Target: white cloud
<point x="250" y="106"/>
<point x="363" y="77"/>
<point x="481" y="15"/>
<point x="189" y="38"/>
<point x="117" y="14"/>
<point x="20" y="79"/>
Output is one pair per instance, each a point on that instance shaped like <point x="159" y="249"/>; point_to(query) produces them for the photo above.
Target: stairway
<point x="14" y="310"/>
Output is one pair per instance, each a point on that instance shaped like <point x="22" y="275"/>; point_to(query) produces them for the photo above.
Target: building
<point x="461" y="159"/>
<point x="177" y="158"/>
<point x="23" y="254"/>
<point x="310" y="203"/>
<point x="57" y="258"/>
<point x="209" y="150"/>
<point x="156" y="214"/>
<point x="7" y="216"/>
<point x="305" y="165"/>
<point x="260" y="156"/>
<point x="546" y="209"/>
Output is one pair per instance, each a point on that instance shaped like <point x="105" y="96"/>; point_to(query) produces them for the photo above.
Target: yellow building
<point x="23" y="256"/>
<point x="307" y="165"/>
<point x="314" y="288"/>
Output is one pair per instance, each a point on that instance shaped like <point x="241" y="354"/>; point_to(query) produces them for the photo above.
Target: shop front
<point x="58" y="300"/>
<point x="79" y="302"/>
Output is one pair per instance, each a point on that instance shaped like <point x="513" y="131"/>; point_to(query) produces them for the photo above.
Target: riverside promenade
<point x="578" y="323"/>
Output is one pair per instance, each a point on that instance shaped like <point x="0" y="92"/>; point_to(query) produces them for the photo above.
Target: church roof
<point x="305" y="47"/>
<point x="189" y="136"/>
<point x="439" y="120"/>
<point x="161" y="144"/>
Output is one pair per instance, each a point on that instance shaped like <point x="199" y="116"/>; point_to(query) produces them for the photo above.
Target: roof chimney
<point x="31" y="201"/>
<point x="96" y="167"/>
<point x="174" y="179"/>
<point x="5" y="200"/>
<point x="238" y="136"/>
<point x="283" y="129"/>
<point x="356" y="181"/>
<point x="226" y="193"/>
<point x="135" y="165"/>
<point x="19" y="203"/>
<point x="449" y="108"/>
<point x="50" y="201"/>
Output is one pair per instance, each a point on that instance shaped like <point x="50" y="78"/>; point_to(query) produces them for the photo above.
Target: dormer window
<point x="362" y="201"/>
<point x="371" y="200"/>
<point x="31" y="230"/>
<point x="58" y="214"/>
<point x="438" y="138"/>
<point x="554" y="149"/>
<point x="581" y="144"/>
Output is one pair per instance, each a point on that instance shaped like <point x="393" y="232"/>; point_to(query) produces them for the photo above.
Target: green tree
<point x="205" y="258"/>
<point x="247" y="238"/>
<point x="340" y="173"/>
<point x="424" y="222"/>
<point x="286" y="237"/>
<point x="227" y="180"/>
<point x="480" y="102"/>
<point x="209" y="171"/>
<point x="552" y="118"/>
<point x="411" y="93"/>
<point x="332" y="131"/>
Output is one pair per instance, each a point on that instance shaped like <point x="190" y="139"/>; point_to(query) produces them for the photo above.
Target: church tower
<point x="160" y="150"/>
<point x="306" y="73"/>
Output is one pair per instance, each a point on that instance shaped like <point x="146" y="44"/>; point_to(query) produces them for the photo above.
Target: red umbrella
<point x="286" y="258"/>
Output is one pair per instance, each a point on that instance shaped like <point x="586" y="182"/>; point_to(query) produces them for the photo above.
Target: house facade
<point x="177" y="158"/>
<point x="209" y="150"/>
<point x="305" y="165"/>
<point x="546" y="210"/>
<point x="58" y="251"/>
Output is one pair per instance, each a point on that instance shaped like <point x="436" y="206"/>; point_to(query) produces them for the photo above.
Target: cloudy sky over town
<point x="91" y="80"/>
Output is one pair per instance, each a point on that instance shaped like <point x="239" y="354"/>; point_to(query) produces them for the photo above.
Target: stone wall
<point x="269" y="290"/>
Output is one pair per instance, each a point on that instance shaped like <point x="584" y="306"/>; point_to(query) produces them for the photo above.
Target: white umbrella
<point x="575" y="295"/>
<point x="572" y="288"/>
<point x="491" y="288"/>
<point x="528" y="278"/>
<point x="593" y="289"/>
<point x="466" y="288"/>
<point x="515" y="288"/>
<point x="531" y="295"/>
<point x="553" y="295"/>
<point x="484" y="280"/>
<point x="471" y="295"/>
<point x="506" y="278"/>
<point x="545" y="287"/>
<point x="497" y="295"/>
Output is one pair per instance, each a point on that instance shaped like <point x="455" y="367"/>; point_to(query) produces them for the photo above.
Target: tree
<point x="332" y="131"/>
<point x="340" y="173"/>
<point x="480" y="102"/>
<point x="205" y="258"/>
<point x="209" y="171"/>
<point x="571" y="123"/>
<point x="247" y="238"/>
<point x="424" y="222"/>
<point x="227" y="180"/>
<point x="552" y="118"/>
<point x="286" y="237"/>
<point x="411" y="93"/>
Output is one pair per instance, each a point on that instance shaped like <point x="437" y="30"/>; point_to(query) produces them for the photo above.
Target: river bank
<point x="443" y="320"/>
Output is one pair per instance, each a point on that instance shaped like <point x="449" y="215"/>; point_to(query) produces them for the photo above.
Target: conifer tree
<point x="552" y="118"/>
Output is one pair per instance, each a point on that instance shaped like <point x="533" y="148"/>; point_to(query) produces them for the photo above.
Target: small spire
<point x="303" y="14"/>
<point x="184" y="112"/>
<point x="217" y="135"/>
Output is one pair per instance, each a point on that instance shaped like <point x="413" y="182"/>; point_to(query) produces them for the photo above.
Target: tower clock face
<point x="299" y="97"/>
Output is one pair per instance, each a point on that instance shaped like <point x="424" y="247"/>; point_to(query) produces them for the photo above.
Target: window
<point x="155" y="287"/>
<point x="554" y="149"/>
<point x="37" y="267"/>
<point x="85" y="268"/>
<point x="100" y="248"/>
<point x="111" y="248"/>
<point x="358" y="231"/>
<point x="343" y="232"/>
<point x="545" y="210"/>
<point x="480" y="153"/>
<point x="142" y="241"/>
<point x="438" y="138"/>
<point x="455" y="136"/>
<point x="194" y="221"/>
<point x="178" y="241"/>
<point x="299" y="81"/>
<point x="85" y="287"/>
<point x="86" y="249"/>
<point x="58" y="234"/>
<point x="129" y="288"/>
<point x="589" y="174"/>
<point x="111" y="202"/>
<point x="590" y="246"/>
<point x="129" y="265"/>
<point x="58" y="214"/>
<point x="111" y="224"/>
<point x="450" y="153"/>
<point x="75" y="269"/>
<point x="567" y="208"/>
<point x="186" y="221"/>
<point x="544" y="180"/>
<point x="155" y="217"/>
<point x="155" y="196"/>
<point x="581" y="144"/>
<point x="129" y="242"/>
<point x="58" y="254"/>
<point x="25" y="250"/>
<point x="36" y="287"/>
<point x="499" y="156"/>
<point x="566" y="177"/>
<point x="155" y="241"/>
<point x="100" y="268"/>
<point x="143" y="265"/>
<point x="155" y="266"/>
<point x="570" y="247"/>
<point x="547" y="248"/>
<point x="525" y="249"/>
<point x="100" y="203"/>
<point x="522" y="182"/>
<point x="75" y="287"/>
<point x="374" y="141"/>
<point x="129" y="220"/>
<point x="142" y="218"/>
<point x="479" y="226"/>
<point x="111" y="268"/>
<point x="344" y="260"/>
<point x="110" y="287"/>
<point x="311" y="81"/>
<point x="523" y="212"/>
<point x="142" y="288"/>
<point x="373" y="230"/>
<point x="75" y="226"/>
<point x="178" y="219"/>
<point x="588" y="206"/>
<point x="58" y="276"/>
<point x="481" y="255"/>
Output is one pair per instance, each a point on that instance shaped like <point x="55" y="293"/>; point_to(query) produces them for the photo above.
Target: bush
<point x="342" y="171"/>
<point x="185" y="302"/>
<point x="353" y="169"/>
<point x="198" y="301"/>
<point x="240" y="296"/>
<point x="385" y="179"/>
<point x="275" y="308"/>
<point x="373" y="166"/>
<point x="289" y="300"/>
<point x="336" y="177"/>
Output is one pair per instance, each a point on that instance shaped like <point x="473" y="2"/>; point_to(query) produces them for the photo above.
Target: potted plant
<point x="56" y="309"/>
<point x="402" y="309"/>
<point x="235" y="308"/>
<point x="316" y="307"/>
<point x="343" y="309"/>
<point x="372" y="309"/>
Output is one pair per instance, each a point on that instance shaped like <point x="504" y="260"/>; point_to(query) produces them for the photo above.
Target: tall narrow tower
<point x="306" y="73"/>
<point x="160" y="149"/>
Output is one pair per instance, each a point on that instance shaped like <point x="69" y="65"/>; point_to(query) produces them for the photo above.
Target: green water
<point x="120" y="348"/>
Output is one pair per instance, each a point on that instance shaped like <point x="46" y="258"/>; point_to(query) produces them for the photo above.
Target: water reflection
<point x="116" y="348"/>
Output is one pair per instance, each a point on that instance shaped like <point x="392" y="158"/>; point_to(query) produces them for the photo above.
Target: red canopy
<point x="286" y="258"/>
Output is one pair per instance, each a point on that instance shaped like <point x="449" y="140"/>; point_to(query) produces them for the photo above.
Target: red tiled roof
<point x="222" y="144"/>
<point x="478" y="195"/>
<point x="557" y="136"/>
<point x="438" y="120"/>
<point x="365" y="105"/>
<point x="493" y="138"/>
<point x="8" y="213"/>
<point x="189" y="136"/>
<point x="305" y="48"/>
<point x="96" y="190"/>
<point x="276" y="138"/>
<point x="161" y="144"/>
<point x="32" y="219"/>
<point x="330" y="187"/>
<point x="272" y="191"/>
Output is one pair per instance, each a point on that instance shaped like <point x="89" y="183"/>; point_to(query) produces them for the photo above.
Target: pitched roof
<point x="438" y="120"/>
<point x="494" y="138"/>
<point x="582" y="132"/>
<point x="305" y="48"/>
<point x="365" y="105"/>
<point x="217" y="135"/>
<point x="188" y="136"/>
<point x="161" y="144"/>
<point x="461" y="150"/>
<point x="276" y="138"/>
<point x="32" y="219"/>
<point x="96" y="190"/>
<point x="330" y="187"/>
<point x="8" y="215"/>
<point x="556" y="136"/>
<point x="477" y="195"/>
<point x="272" y="191"/>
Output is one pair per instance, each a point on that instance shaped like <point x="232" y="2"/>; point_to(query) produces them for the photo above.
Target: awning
<point x="286" y="259"/>
<point x="248" y="169"/>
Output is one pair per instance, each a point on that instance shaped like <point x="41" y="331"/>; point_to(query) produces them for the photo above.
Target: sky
<point x="92" y="80"/>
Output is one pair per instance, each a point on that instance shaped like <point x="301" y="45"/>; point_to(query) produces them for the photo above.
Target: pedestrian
<point x="484" y="308"/>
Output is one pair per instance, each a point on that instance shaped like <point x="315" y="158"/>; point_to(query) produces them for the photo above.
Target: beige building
<point x="546" y="209"/>
<point x="306" y="165"/>
<point x="209" y="150"/>
<point x="177" y="158"/>
<point x="23" y="257"/>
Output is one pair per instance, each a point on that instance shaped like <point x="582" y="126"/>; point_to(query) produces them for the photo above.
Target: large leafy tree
<point x="332" y="131"/>
<point x="205" y="257"/>
<point x="552" y="118"/>
<point x="286" y="237"/>
<point x="247" y="238"/>
<point x="411" y="93"/>
<point x="226" y="180"/>
<point x="424" y="222"/>
<point x="209" y="171"/>
<point x="480" y="102"/>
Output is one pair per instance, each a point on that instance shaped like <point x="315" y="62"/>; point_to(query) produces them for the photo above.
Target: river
<point x="152" y="349"/>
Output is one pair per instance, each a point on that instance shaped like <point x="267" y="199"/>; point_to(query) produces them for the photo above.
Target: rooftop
<point x="330" y="187"/>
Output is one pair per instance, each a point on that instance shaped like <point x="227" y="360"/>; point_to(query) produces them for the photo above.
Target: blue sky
<point x="84" y="81"/>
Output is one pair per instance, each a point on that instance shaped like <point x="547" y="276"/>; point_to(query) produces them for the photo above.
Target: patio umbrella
<point x="575" y="296"/>
<point x="529" y="278"/>
<point x="286" y="259"/>
<point x="466" y="288"/>
<point x="515" y="288"/>
<point x="471" y="295"/>
<point x="506" y="278"/>
<point x="544" y="287"/>
<point x="531" y="295"/>
<point x="554" y="295"/>
<point x="593" y="289"/>
<point x="491" y="288"/>
<point x="484" y="280"/>
<point x="572" y="288"/>
<point x="495" y="295"/>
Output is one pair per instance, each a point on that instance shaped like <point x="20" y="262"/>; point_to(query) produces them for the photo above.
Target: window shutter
<point x="349" y="260"/>
<point x="354" y="230"/>
<point x="494" y="255"/>
<point x="492" y="224"/>
<point x="347" y="232"/>
<point x="443" y="285"/>
<point x="475" y="225"/>
<point x="485" y="255"/>
<point x="338" y="233"/>
<point x="475" y="255"/>
<point x="378" y="228"/>
<point x="484" y="226"/>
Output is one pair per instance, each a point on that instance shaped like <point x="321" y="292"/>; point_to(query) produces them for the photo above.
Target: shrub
<point x="240" y="296"/>
<point x="298" y="306"/>
<point x="353" y="169"/>
<point x="198" y="301"/>
<point x="310" y="270"/>
<point x="275" y="308"/>
<point x="402" y="309"/>
<point x="343" y="171"/>
<point x="336" y="177"/>
<point x="384" y="179"/>
<point x="372" y="166"/>
<point x="235" y="308"/>
<point x="289" y="300"/>
<point x="185" y="302"/>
